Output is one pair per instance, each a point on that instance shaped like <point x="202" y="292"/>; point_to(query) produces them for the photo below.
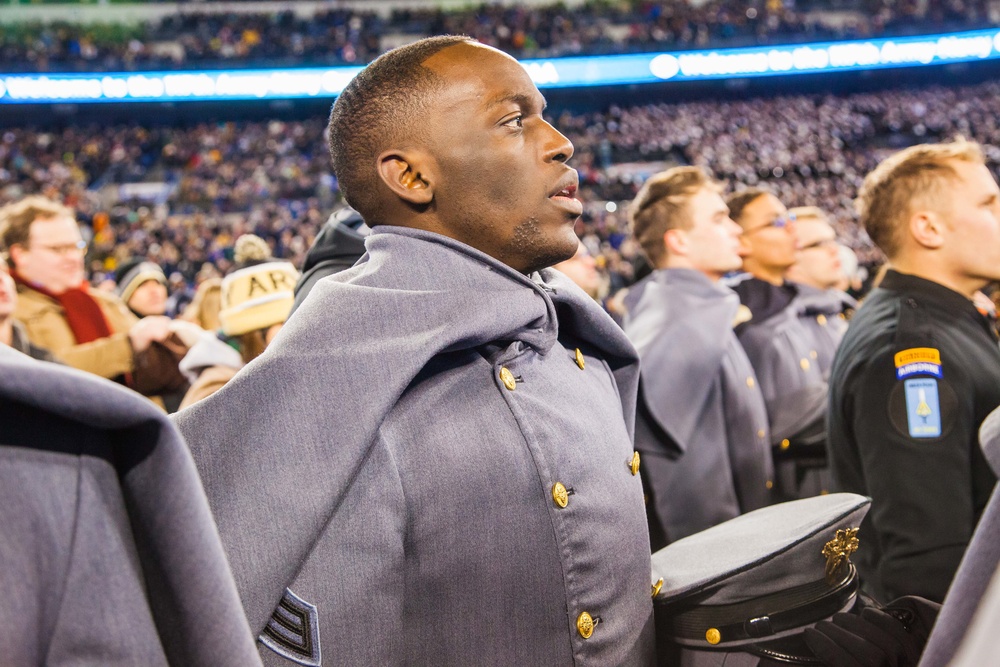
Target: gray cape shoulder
<point x="110" y="555"/>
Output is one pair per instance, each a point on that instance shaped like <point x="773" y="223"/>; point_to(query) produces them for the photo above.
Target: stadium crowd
<point x="213" y="182"/>
<point x="194" y="38"/>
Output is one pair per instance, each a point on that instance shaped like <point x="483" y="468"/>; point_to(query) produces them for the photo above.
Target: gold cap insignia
<point x="838" y="551"/>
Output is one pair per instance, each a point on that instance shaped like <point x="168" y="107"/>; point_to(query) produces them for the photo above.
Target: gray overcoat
<point x="785" y="360"/>
<point x="109" y="555"/>
<point x="979" y="565"/>
<point x="432" y="464"/>
<point x="824" y="314"/>
<point x="702" y="426"/>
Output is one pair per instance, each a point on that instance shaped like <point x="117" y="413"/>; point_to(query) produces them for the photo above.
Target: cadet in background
<point x="823" y="309"/>
<point x="702" y="423"/>
<point x="778" y="345"/>
<point x="919" y="368"/>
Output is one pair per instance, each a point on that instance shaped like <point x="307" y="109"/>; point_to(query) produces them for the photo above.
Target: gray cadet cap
<point x="750" y="585"/>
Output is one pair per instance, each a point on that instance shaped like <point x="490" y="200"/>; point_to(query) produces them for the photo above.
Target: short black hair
<point x="369" y="114"/>
<point x="740" y="200"/>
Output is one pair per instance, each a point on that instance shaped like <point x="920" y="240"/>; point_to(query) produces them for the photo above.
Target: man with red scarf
<point x="83" y="328"/>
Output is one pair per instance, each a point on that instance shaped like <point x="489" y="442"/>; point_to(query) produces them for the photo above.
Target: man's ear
<point x="403" y="173"/>
<point x="676" y="242"/>
<point x="15" y="253"/>
<point x="927" y="228"/>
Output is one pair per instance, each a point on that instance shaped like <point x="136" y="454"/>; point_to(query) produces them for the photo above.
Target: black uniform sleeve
<point x="912" y="436"/>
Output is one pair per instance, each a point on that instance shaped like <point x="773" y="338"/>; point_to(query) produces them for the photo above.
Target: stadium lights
<point x="572" y="72"/>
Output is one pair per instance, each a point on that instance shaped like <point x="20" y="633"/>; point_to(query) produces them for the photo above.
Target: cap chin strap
<point x="761" y="618"/>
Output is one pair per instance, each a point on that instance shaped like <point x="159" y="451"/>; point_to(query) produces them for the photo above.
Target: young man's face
<point x="150" y="298"/>
<point x="501" y="180"/>
<point x="53" y="255"/>
<point x="713" y="239"/>
<point x="768" y="235"/>
<point x="972" y="220"/>
<point x="818" y="263"/>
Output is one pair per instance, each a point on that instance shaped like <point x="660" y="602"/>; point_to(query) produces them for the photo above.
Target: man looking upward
<point x="432" y="462"/>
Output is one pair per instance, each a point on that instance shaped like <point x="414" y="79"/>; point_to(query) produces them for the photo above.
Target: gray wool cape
<point x="703" y="422"/>
<point x="109" y="554"/>
<point x="823" y="313"/>
<point x="374" y="473"/>
<point x="980" y="564"/>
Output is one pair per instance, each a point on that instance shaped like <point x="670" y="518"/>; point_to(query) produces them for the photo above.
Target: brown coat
<point x="45" y="323"/>
<point x="211" y="380"/>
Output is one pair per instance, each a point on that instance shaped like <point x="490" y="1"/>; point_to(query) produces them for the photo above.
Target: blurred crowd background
<point x="181" y="193"/>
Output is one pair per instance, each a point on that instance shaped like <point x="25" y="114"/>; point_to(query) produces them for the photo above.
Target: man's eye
<point x="516" y="121"/>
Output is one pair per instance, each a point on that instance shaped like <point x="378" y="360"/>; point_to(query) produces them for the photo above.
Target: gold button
<point x="633" y="465"/>
<point x="507" y="378"/>
<point x="821" y="319"/>
<point x="804" y="363"/>
<point x="842" y="316"/>
<point x="585" y="625"/>
<point x="813" y="354"/>
<point x="560" y="495"/>
<point x="824" y="492"/>
<point x="657" y="586"/>
<point x="713" y="636"/>
<point x="760" y="433"/>
<point x="785" y="444"/>
<point x="750" y="382"/>
<point x="579" y="359"/>
<point x="768" y="484"/>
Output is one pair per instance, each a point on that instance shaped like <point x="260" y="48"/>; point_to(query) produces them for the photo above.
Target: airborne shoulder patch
<point x="293" y="631"/>
<point x="918" y="361"/>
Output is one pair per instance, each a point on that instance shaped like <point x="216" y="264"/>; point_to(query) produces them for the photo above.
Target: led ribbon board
<point x="575" y="72"/>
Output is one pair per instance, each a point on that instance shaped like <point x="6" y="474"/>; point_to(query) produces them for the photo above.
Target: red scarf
<point x="83" y="314"/>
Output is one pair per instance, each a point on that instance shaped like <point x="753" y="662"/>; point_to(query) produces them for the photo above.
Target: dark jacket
<point x="915" y="376"/>
<point x="338" y="246"/>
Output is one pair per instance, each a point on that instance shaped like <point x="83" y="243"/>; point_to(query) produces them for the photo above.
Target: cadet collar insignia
<point x="838" y="551"/>
<point x="918" y="361"/>
<point x="743" y="314"/>
<point x="293" y="631"/>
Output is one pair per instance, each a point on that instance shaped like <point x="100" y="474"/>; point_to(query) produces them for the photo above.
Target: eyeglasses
<point x="64" y="248"/>
<point x="780" y="222"/>
<point x="825" y="244"/>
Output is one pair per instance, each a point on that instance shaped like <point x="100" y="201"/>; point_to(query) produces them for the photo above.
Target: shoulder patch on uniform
<point x="293" y="631"/>
<point x="923" y="408"/>
<point x="918" y="361"/>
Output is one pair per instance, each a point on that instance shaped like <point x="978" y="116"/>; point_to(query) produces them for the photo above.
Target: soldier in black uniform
<point x="919" y="369"/>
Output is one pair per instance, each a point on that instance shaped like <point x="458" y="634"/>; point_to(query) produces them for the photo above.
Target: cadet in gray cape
<point x="779" y="347"/>
<point x="432" y="463"/>
<point x="109" y="555"/>
<point x="702" y="423"/>
<point x="822" y="308"/>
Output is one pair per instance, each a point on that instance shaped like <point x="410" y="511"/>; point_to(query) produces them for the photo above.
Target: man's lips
<point x="564" y="194"/>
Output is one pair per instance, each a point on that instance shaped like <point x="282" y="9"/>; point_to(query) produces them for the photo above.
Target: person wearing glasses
<point x="701" y="424"/>
<point x="823" y="309"/>
<point x="82" y="327"/>
<point x="919" y="368"/>
<point x="780" y="349"/>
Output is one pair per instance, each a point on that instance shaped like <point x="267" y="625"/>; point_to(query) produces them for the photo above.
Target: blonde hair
<point x="901" y="183"/>
<point x="662" y="205"/>
<point x="809" y="213"/>
<point x="16" y="219"/>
